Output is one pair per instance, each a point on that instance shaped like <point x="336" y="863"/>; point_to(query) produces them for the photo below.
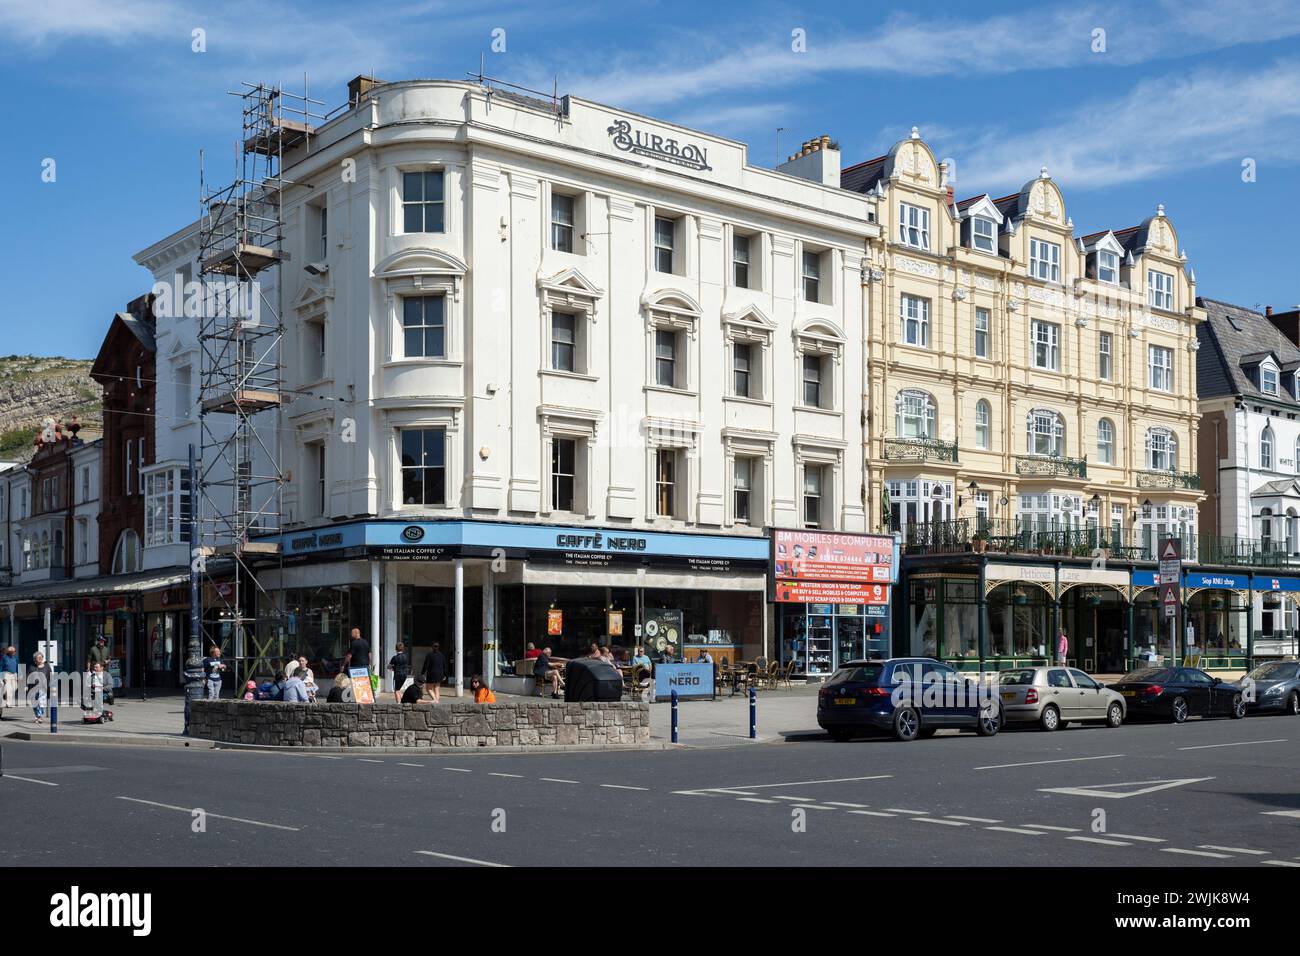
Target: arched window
<point x="983" y="424"/>
<point x="127" y="557"/>
<point x="1266" y="448"/>
<point x="1046" y="433"/>
<point x="914" y="414"/>
<point x="1162" y="450"/>
<point x="1106" y="442"/>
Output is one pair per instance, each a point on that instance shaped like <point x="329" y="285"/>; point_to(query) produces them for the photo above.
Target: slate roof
<point x="862" y="177"/>
<point x="1233" y="337"/>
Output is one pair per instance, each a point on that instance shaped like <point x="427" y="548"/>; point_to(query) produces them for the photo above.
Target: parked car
<point x="1176" y="693"/>
<point x="1055" y="696"/>
<point x="907" y="697"/>
<point x="1277" y="688"/>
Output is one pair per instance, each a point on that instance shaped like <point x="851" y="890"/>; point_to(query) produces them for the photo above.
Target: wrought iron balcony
<point x="1052" y="466"/>
<point x="1168" y="479"/>
<point x="920" y="449"/>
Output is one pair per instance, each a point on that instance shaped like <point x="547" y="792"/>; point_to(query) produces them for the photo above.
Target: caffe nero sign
<point x="656" y="146"/>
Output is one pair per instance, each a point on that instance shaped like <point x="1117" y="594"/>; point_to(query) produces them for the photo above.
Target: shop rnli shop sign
<point x="689" y="680"/>
<point x="629" y="139"/>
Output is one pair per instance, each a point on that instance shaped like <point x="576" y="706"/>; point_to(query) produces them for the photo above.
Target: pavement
<point x="1207" y="793"/>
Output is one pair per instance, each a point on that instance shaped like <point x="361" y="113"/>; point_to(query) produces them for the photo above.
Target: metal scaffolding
<point x="241" y="389"/>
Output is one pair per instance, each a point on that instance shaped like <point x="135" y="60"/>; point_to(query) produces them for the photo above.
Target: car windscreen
<point x="1274" y="670"/>
<point x="864" y="674"/>
<point x="1017" y="678"/>
<point x="1148" y="674"/>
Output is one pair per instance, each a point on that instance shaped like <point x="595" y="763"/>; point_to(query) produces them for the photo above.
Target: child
<point x="250" y="690"/>
<point x="482" y="693"/>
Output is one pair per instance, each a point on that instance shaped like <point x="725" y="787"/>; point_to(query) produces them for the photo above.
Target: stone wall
<point x="532" y="723"/>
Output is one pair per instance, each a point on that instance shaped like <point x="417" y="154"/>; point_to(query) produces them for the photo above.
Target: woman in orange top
<point x="482" y="693"/>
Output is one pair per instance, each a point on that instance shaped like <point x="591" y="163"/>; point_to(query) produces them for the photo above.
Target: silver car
<point x="1055" y="696"/>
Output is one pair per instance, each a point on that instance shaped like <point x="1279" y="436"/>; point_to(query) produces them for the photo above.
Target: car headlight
<point x="1275" y="689"/>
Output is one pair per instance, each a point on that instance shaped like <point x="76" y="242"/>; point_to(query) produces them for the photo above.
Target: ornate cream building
<point x="1031" y="392"/>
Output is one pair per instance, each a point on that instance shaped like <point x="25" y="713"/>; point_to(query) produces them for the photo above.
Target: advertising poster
<point x="834" y="592"/>
<point x="615" y="628"/>
<point x="663" y="628"/>
<point x="554" y="622"/>
<point x="827" y="556"/>
<point x="362" y="690"/>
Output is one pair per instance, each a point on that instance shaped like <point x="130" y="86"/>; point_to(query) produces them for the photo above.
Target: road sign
<point x="1171" y="561"/>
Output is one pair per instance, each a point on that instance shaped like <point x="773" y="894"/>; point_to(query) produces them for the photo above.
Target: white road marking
<point x="1107" y="791"/>
<point x="71" y="768"/>
<point x="1044" y="826"/>
<point x="518" y="776"/>
<point x="795" y="799"/>
<point x="215" y="816"/>
<point x="1140" y="839"/>
<point x="556" y="780"/>
<point x="1279" y="863"/>
<point x="400" y="764"/>
<point x="1017" y="830"/>
<point x="456" y="770"/>
<point x="754" y="800"/>
<point x="1281" y="813"/>
<point x="954" y="816"/>
<point x="837" y="803"/>
<point x="619" y="786"/>
<point x="947" y="823"/>
<point x="1217" y="856"/>
<point x="873" y="813"/>
<point x="812" y="806"/>
<point x="1039" y="763"/>
<point x="919" y="813"/>
<point x="463" y="859"/>
<point x="369" y="760"/>
<point x="1099" y="840"/>
<point x="1234" y="849"/>
<point x="803" y="783"/>
<point x="1239" y="743"/>
<point x="13" y="776"/>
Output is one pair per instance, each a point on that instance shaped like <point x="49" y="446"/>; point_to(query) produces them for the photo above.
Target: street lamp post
<point x="194" y="647"/>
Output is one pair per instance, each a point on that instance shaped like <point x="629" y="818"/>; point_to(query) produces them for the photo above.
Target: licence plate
<point x="1008" y="695"/>
<point x="846" y="700"/>
<point x="1129" y="693"/>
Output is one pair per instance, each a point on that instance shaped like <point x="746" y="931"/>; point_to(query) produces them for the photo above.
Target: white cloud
<point x="39" y="22"/>
<point x="1163" y="126"/>
<point x="930" y="47"/>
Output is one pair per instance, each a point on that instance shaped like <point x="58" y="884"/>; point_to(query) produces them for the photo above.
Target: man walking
<point x="9" y="675"/>
<point x="358" y="651"/>
<point x="435" y="670"/>
<point x="213" y="668"/>
<point x="98" y="654"/>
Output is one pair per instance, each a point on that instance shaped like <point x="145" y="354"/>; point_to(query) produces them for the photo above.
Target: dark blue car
<point x="907" y="697"/>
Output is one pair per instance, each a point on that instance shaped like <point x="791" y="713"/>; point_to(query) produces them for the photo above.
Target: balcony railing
<point x="920" y="449"/>
<point x="1015" y="536"/>
<point x="1168" y="479"/>
<point x="1052" y="466"/>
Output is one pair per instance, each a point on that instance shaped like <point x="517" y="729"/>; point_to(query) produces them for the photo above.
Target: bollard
<point x="674" y="716"/>
<point x="54" y="713"/>
<point x="753" y="714"/>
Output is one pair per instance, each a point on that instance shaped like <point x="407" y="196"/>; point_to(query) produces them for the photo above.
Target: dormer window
<point x="1107" y="267"/>
<point x="1268" y="380"/>
<point x="983" y="234"/>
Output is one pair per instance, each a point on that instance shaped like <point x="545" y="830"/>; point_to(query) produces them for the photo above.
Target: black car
<point x="1274" y="686"/>
<point x="1176" y="693"/>
<point x="908" y="697"/>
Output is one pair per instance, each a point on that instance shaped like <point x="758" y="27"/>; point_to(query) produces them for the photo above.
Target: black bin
<point x="587" y="679"/>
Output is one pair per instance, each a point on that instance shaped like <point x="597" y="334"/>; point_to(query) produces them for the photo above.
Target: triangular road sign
<point x="1170" y="552"/>
<point x="1118" y="791"/>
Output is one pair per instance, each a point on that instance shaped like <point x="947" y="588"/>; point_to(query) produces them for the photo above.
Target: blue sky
<point x="1182" y="93"/>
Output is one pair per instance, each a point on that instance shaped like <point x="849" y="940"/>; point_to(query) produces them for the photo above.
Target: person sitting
<point x="639" y="657"/>
<point x="482" y="693"/>
<point x="546" y="673"/>
<point x="531" y="652"/>
<point x="414" y="692"/>
<point x="341" y="692"/>
<point x="250" y="690"/>
<point x="295" y="691"/>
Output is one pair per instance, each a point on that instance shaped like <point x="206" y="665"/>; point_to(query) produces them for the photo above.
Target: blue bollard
<point x="54" y="713"/>
<point x="753" y="714"/>
<point x="674" y="716"/>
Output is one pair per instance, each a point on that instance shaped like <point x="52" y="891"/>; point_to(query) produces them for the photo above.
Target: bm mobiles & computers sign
<point x="820" y="566"/>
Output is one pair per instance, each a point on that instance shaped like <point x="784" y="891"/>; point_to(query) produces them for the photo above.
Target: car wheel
<point x="1178" y="710"/>
<point x="1293" y="704"/>
<point x="928" y="732"/>
<point x="989" y="721"/>
<point x="907" y="724"/>
<point x="841" y="734"/>
<point x="1050" y="718"/>
<point x="1114" y="715"/>
<point x="1238" y="707"/>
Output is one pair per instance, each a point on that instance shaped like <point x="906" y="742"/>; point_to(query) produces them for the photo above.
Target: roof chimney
<point x="359" y="86"/>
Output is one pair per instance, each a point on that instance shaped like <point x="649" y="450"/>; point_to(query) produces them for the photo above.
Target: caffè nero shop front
<point x="485" y="590"/>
